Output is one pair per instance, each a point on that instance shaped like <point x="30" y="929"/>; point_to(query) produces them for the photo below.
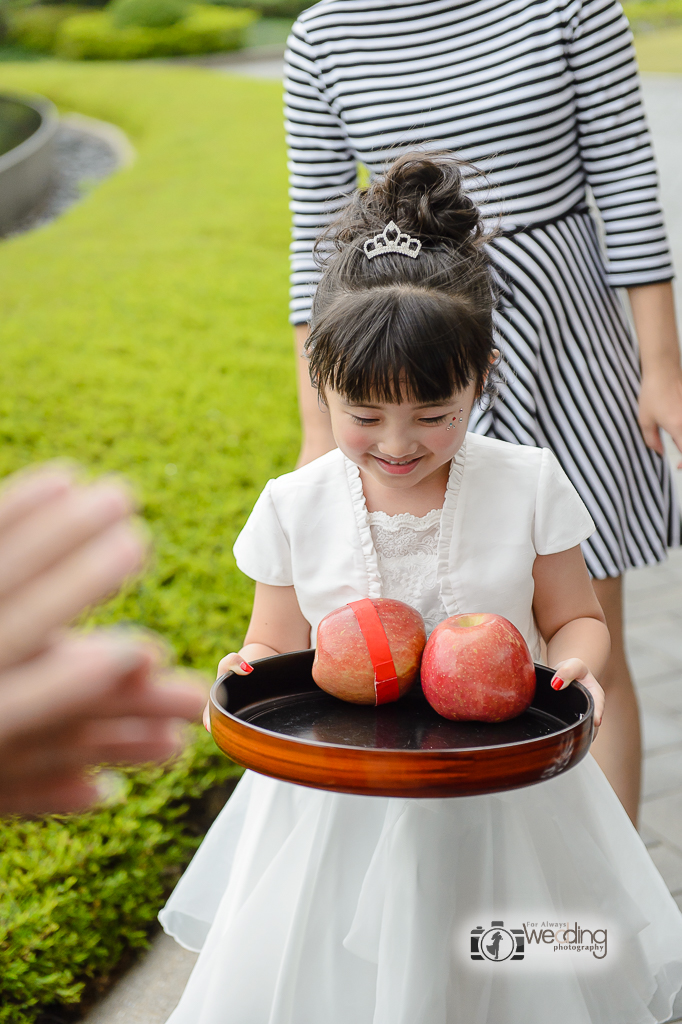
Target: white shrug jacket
<point x="504" y="505"/>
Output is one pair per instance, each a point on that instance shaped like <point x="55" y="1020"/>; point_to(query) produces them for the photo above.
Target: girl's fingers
<point x="567" y="671"/>
<point x="230" y="663"/>
<point x="574" y="669"/>
<point x="591" y="684"/>
<point x="234" y="663"/>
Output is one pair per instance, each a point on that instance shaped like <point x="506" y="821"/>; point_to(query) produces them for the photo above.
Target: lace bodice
<point x="407" y="553"/>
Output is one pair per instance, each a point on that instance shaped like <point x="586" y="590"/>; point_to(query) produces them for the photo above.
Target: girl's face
<point x="402" y="444"/>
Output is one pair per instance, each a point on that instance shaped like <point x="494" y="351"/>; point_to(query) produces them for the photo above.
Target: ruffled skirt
<point x="321" y="908"/>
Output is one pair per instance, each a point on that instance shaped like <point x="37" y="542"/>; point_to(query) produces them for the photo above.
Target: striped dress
<point x="542" y="96"/>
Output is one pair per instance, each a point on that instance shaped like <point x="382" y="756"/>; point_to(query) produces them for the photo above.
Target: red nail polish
<point x="245" y="667"/>
<point x="557" y="682"/>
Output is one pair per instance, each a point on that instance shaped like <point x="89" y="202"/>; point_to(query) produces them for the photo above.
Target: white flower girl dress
<point x="311" y="907"/>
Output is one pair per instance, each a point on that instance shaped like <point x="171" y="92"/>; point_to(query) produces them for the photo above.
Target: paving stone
<point x="149" y="991"/>
<point x="660" y="730"/>
<point x="662" y="773"/>
<point x="647" y="664"/>
<point x="677" y="1010"/>
<point x="669" y="863"/>
<point x="667" y="693"/>
<point x="663" y="633"/>
<point x="648" y="837"/>
<point x="657" y="601"/>
<point x="663" y="817"/>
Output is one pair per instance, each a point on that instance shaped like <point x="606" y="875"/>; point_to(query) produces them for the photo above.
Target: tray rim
<point x="381" y="751"/>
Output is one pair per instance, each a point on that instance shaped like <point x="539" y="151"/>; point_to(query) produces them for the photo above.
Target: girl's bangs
<point x="392" y="350"/>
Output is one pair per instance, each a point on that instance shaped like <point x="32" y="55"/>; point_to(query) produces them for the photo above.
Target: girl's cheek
<point x="355" y="438"/>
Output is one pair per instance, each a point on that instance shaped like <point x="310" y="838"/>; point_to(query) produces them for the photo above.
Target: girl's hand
<point x="574" y="669"/>
<point x="230" y="663"/>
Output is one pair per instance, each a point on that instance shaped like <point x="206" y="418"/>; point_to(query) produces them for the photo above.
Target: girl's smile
<point x="396" y="466"/>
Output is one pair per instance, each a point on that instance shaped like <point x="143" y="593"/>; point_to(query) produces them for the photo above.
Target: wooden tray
<point x="278" y="722"/>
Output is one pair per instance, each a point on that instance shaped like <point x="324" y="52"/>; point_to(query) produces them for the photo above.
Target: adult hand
<point x="70" y="701"/>
<point x="660" y="408"/>
<point x="660" y="398"/>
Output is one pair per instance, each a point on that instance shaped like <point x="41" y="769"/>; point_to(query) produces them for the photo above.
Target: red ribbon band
<point x="385" y="678"/>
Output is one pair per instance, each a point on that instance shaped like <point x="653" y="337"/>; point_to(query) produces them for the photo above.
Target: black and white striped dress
<point x="543" y="97"/>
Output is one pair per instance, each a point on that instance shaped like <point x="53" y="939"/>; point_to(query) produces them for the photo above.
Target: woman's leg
<point x="618" y="747"/>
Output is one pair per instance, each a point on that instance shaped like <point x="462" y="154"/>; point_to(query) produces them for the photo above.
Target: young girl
<point x="312" y="907"/>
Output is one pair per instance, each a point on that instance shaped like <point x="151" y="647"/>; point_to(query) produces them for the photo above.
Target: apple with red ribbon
<point x="369" y="651"/>
<point x="477" y="668"/>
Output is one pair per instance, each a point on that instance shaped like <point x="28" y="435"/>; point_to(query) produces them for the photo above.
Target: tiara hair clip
<point x="392" y="239"/>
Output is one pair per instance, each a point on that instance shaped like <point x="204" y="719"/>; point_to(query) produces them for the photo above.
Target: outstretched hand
<point x="70" y="701"/>
<point x="574" y="669"/>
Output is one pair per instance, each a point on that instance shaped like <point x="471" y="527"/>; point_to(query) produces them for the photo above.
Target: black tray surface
<point x="283" y="699"/>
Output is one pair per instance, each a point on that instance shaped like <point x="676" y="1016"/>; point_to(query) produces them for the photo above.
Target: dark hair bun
<point x="423" y="193"/>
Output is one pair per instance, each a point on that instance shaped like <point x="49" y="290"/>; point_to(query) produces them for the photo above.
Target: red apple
<point x="477" y="668"/>
<point x="343" y="666"/>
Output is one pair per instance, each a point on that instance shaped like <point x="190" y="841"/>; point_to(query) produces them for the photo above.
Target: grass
<point x="145" y="333"/>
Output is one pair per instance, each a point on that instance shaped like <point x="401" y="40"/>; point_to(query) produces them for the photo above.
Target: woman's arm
<point x="660" y="399"/>
<point x="615" y="144"/>
<point x="315" y="421"/>
<point x="571" y="622"/>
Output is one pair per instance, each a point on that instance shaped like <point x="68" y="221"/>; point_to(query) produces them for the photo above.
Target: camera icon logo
<point x="497" y="943"/>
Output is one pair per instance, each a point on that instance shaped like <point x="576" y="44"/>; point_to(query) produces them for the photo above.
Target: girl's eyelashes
<point x="363" y="421"/>
<point x="435" y="420"/>
<point x="429" y="421"/>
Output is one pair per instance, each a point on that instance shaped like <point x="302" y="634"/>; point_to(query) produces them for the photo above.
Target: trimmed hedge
<point x="205" y="29"/>
<point x="149" y="13"/>
<point x="36" y="27"/>
<point x="79" y="892"/>
<point x="145" y="332"/>
<point x="276" y="8"/>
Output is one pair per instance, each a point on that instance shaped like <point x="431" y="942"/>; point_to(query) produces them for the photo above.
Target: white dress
<point x="319" y="908"/>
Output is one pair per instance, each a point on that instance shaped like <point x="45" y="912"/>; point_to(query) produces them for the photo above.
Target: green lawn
<point x="145" y="332"/>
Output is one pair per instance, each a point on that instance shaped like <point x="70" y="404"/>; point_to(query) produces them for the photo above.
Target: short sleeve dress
<point x="311" y="907"/>
<point x="543" y="97"/>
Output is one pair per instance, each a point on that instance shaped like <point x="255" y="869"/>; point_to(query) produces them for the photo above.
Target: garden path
<point x="150" y="990"/>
